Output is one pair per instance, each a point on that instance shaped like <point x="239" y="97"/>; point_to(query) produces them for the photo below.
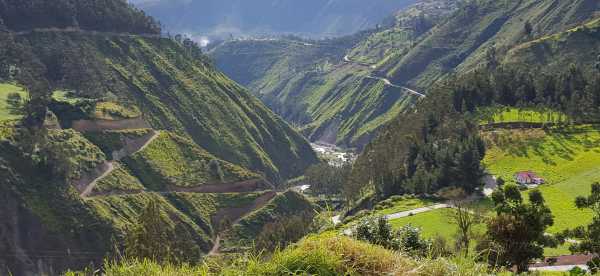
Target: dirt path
<point x="109" y="167"/>
<point x="236" y="214"/>
<point x="99" y="125"/>
<point x="87" y="183"/>
<point x="232" y="187"/>
<point x="389" y="83"/>
<point x="248" y="186"/>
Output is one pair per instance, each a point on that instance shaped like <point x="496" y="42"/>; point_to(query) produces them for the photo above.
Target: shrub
<point x="378" y="231"/>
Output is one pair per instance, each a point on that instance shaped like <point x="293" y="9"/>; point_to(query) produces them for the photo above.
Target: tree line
<point x="438" y="144"/>
<point x="98" y="15"/>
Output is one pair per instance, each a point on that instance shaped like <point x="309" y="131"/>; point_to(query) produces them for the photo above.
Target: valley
<point x="448" y="138"/>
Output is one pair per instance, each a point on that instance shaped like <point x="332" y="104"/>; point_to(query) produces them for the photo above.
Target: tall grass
<point x="324" y="255"/>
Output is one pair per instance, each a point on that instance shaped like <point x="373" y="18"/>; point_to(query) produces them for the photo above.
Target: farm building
<point x="528" y="178"/>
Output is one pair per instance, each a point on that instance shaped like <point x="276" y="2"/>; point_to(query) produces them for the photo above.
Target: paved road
<point x="386" y="81"/>
<point x="558" y="268"/>
<point x="389" y="83"/>
<point x="417" y="211"/>
<point x="491" y="184"/>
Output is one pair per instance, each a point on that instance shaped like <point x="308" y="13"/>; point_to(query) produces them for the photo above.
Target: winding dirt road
<point x="385" y="80"/>
<point x="236" y="214"/>
<point x="87" y="183"/>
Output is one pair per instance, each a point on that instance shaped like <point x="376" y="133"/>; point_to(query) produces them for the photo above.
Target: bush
<point x="378" y="231"/>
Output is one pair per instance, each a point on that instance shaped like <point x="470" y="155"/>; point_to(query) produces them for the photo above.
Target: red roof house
<point x="528" y="177"/>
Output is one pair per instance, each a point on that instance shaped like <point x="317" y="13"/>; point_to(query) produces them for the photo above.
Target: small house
<point x="528" y="178"/>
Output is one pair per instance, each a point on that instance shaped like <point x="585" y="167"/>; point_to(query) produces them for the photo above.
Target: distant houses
<point x="528" y="178"/>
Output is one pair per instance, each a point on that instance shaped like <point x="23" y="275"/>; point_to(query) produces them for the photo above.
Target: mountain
<point x="342" y="91"/>
<point x="332" y="88"/>
<point x="116" y="118"/>
<point x="481" y="30"/>
<point x="520" y="54"/>
<point x="313" y="18"/>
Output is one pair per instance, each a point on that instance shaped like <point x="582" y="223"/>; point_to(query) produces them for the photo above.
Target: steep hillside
<point x="116" y="118"/>
<point x="174" y="91"/>
<point x="576" y="45"/>
<point x="313" y="18"/>
<point x="331" y="88"/>
<point x="480" y="33"/>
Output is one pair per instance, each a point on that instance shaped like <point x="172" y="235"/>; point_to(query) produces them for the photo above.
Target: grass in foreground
<point x="324" y="255"/>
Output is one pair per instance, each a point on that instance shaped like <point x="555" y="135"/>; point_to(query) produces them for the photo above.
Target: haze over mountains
<point x="313" y="18"/>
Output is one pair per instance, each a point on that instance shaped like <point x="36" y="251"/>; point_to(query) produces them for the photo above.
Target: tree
<point x="517" y="234"/>
<point x="148" y="237"/>
<point x="464" y="218"/>
<point x="216" y="171"/>
<point x="327" y="179"/>
<point x="528" y="28"/>
<point x="15" y="103"/>
<point x="589" y="236"/>
<point x="407" y="239"/>
<point x="283" y="232"/>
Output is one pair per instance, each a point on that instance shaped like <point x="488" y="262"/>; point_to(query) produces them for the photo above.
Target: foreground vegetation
<point x="315" y="255"/>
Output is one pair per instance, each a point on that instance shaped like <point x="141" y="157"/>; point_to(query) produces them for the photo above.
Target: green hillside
<point x="568" y="160"/>
<point x="558" y="49"/>
<point x="172" y="160"/>
<point x="183" y="95"/>
<point x="325" y="90"/>
<point x="325" y="87"/>
<point x="481" y="33"/>
<point x="142" y="116"/>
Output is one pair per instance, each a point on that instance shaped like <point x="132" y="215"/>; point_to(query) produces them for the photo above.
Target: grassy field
<point x="401" y="204"/>
<point x="432" y="223"/>
<point x="5" y="90"/>
<point x="569" y="162"/>
<point x="511" y="114"/>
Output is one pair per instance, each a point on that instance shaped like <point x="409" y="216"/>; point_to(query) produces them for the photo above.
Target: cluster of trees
<point x="439" y="148"/>
<point x="572" y="91"/>
<point x="327" y="179"/>
<point x="406" y="239"/>
<point x="98" y="15"/>
<point x="281" y="233"/>
<point x="153" y="237"/>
